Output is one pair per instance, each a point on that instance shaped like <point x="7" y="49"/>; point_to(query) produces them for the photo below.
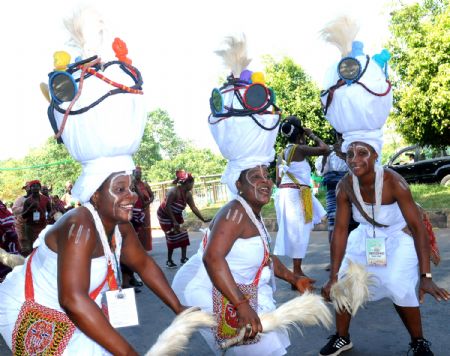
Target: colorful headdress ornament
<point x="244" y="118"/>
<point x="101" y="134"/>
<point x="65" y="83"/>
<point x="358" y="97"/>
<point x="244" y="93"/>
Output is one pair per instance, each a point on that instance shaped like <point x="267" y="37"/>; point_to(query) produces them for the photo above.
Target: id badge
<point x="122" y="309"/>
<point x="36" y="216"/>
<point x="376" y="251"/>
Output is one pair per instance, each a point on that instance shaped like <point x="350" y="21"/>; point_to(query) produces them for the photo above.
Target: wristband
<point x="245" y="300"/>
<point x="426" y="275"/>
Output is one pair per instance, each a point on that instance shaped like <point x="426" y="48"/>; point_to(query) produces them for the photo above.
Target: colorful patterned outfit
<point x="174" y="240"/>
<point x="8" y="237"/>
<point x="141" y="216"/>
<point x="45" y="280"/>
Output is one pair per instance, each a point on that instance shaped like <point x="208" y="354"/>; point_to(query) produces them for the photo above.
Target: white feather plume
<point x="305" y="310"/>
<point x="341" y="32"/>
<point x="11" y="260"/>
<point x="235" y="55"/>
<point x="174" y="339"/>
<point x="352" y="290"/>
<point x="86" y="28"/>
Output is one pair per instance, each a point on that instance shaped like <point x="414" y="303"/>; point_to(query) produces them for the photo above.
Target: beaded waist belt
<point x="293" y="185"/>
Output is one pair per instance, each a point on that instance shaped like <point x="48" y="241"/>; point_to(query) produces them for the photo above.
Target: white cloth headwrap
<point x="243" y="143"/>
<point x="104" y="138"/>
<point x="356" y="113"/>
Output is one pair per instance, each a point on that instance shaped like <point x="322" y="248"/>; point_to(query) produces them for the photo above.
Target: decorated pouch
<point x="40" y="330"/>
<point x="225" y="312"/>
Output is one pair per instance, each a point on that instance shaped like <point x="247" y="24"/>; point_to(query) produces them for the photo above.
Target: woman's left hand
<point x="428" y="286"/>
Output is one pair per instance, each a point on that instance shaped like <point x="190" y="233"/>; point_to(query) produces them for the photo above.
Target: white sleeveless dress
<point x="293" y="234"/>
<point x="398" y="279"/>
<point x="44" y="271"/>
<point x="193" y="287"/>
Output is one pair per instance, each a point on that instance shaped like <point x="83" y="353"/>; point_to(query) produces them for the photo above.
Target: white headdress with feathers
<point x="103" y="138"/>
<point x="241" y="141"/>
<point x="354" y="111"/>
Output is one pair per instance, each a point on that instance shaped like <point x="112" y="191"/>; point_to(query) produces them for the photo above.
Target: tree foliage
<point x="197" y="161"/>
<point x="296" y="94"/>
<point x="160" y="154"/>
<point x="40" y="161"/>
<point x="159" y="141"/>
<point x="420" y="48"/>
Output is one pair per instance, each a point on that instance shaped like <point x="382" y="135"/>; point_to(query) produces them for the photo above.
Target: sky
<point x="172" y="42"/>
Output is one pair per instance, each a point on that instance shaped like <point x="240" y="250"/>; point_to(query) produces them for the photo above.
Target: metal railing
<point x="208" y="190"/>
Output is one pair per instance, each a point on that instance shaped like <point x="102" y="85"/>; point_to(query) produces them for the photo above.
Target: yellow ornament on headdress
<point x="258" y="77"/>
<point x="61" y="60"/>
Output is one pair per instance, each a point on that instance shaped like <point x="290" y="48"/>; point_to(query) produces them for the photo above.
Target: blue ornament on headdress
<point x="381" y="59"/>
<point x="357" y="49"/>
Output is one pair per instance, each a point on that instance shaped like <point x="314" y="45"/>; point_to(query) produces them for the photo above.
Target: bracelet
<point x="245" y="300"/>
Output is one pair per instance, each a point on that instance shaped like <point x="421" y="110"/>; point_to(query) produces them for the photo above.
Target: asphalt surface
<point x="375" y="331"/>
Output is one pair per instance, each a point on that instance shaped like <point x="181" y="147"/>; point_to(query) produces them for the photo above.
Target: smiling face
<point x="361" y="158"/>
<point x="114" y="199"/>
<point x="255" y="185"/>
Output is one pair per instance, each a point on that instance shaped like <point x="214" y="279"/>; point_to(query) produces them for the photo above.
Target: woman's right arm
<point x="339" y="238"/>
<point x="76" y="242"/>
<point x="321" y="147"/>
<point x="221" y="239"/>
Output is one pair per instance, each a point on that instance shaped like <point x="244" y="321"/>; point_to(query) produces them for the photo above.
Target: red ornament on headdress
<point x="121" y="50"/>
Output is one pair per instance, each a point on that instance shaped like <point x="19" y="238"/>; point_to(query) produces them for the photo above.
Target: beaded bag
<point x="224" y="311"/>
<point x="40" y="330"/>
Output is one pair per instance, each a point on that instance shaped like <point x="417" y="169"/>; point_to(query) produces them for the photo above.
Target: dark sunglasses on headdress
<point x="349" y="72"/>
<point x="256" y="99"/>
<point x="64" y="87"/>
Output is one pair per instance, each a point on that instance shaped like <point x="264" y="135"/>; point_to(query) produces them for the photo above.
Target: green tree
<point x="159" y="140"/>
<point x="420" y="48"/>
<point x="296" y="94"/>
<point x="40" y="162"/>
<point x="197" y="161"/>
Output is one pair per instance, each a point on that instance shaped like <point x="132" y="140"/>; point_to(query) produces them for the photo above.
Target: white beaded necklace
<point x="109" y="255"/>
<point x="379" y="173"/>
<point x="265" y="237"/>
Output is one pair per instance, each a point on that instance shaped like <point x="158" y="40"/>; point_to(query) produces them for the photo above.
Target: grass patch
<point x="429" y="196"/>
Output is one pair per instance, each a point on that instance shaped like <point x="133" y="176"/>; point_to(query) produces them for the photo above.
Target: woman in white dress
<point x="235" y="248"/>
<point x="296" y="207"/>
<point x="380" y="200"/>
<point x="69" y="269"/>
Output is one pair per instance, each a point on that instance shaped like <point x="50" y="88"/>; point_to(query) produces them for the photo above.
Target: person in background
<point x="69" y="202"/>
<point x="57" y="206"/>
<point x="19" y="221"/>
<point x="141" y="211"/>
<point x="332" y="167"/>
<point x="170" y="215"/>
<point x="296" y="207"/>
<point x="36" y="210"/>
<point x="8" y="237"/>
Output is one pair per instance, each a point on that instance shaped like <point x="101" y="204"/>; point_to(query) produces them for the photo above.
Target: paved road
<point x="375" y="331"/>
